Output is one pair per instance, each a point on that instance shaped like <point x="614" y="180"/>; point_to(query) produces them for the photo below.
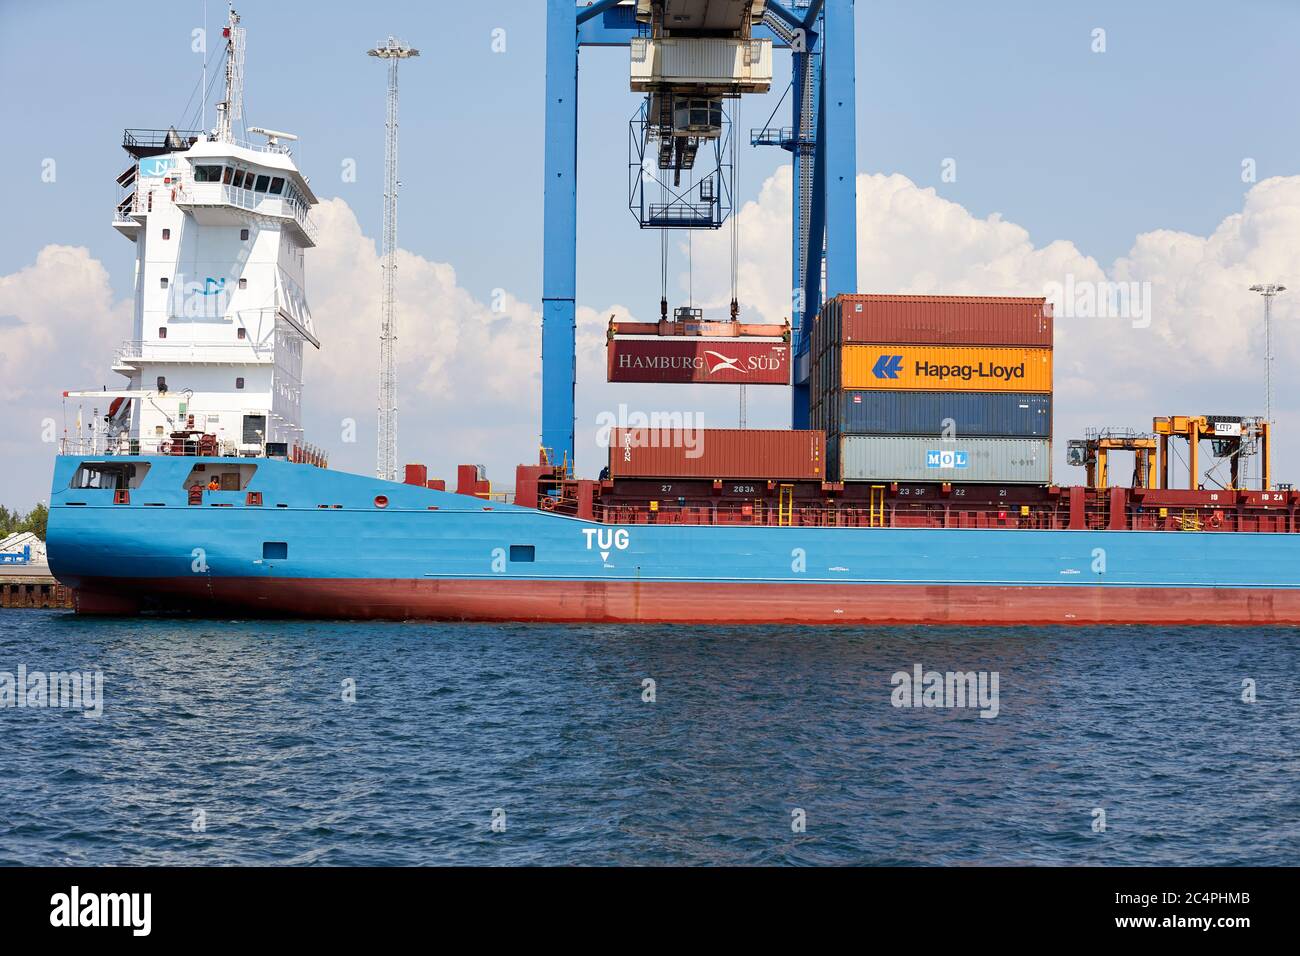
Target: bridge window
<point x="243" y="235"/>
<point x="239" y="382"/>
<point x="277" y="185"/>
<point x="262" y="183"/>
<point x="207" y="174"/>
<point x="162" y="332"/>
<point x="226" y="173"/>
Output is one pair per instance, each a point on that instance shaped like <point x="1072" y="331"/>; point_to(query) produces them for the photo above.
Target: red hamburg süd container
<point x="696" y="361"/>
<point x="416" y="475"/>
<point x="717" y="453"/>
<point x="936" y="320"/>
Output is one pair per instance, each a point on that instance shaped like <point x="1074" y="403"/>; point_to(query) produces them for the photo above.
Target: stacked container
<point x="715" y="453"/>
<point x="934" y="388"/>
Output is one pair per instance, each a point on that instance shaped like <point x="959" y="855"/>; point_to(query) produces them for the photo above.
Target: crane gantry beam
<point x="820" y="38"/>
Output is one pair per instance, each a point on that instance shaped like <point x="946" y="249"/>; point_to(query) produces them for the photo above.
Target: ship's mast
<point x="386" y="460"/>
<point x="232" y="107"/>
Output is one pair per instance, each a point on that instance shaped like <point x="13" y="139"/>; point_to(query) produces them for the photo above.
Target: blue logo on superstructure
<point x="156" y="166"/>
<point x="887" y="366"/>
<point x="947" y="459"/>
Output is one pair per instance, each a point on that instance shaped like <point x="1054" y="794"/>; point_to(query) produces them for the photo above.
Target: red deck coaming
<point x="607" y="602"/>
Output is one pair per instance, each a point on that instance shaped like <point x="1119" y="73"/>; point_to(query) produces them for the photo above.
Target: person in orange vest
<point x="214" y="485"/>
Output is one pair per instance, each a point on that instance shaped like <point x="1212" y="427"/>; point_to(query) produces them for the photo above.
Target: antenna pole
<point x="386" y="456"/>
<point x="203" y="91"/>
<point x="232" y="107"/>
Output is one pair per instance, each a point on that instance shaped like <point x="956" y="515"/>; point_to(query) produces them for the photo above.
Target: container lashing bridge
<point x="1234" y="440"/>
<point x="689" y="58"/>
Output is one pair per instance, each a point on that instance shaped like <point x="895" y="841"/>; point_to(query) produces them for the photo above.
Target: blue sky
<point x="1068" y="143"/>
<point x="1093" y="148"/>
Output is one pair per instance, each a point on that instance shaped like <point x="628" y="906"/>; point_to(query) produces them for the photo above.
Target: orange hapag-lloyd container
<point x="945" y="368"/>
<point x="717" y="453"/>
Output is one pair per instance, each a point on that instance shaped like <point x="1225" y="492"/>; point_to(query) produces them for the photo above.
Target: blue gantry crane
<point x="821" y="137"/>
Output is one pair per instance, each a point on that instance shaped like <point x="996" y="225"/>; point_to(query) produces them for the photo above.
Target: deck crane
<point x="1093" y="453"/>
<point x="679" y="119"/>
<point x="1234" y="440"/>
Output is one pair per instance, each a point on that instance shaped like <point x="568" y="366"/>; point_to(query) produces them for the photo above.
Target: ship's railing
<point x="124" y="445"/>
<point x="172" y="140"/>
<point x="220" y="194"/>
<point x="190" y="445"/>
<point x="769" y="514"/>
<point x="158" y="351"/>
<point x="159" y="140"/>
<point x="261" y="204"/>
<point x="125" y="205"/>
<point x="1057" y="517"/>
<point x="281" y="149"/>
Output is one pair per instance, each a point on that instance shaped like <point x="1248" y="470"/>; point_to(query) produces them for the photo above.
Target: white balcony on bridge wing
<point x="134" y="353"/>
<point x="222" y="204"/>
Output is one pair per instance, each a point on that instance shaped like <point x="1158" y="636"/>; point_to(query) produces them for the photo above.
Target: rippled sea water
<point x="245" y="721"/>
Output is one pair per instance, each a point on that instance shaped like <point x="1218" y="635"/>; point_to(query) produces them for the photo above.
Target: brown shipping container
<point x="938" y="320"/>
<point x="717" y="453"/>
<point x="686" y="361"/>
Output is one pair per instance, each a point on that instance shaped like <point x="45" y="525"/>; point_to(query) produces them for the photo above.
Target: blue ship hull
<point x="321" y="544"/>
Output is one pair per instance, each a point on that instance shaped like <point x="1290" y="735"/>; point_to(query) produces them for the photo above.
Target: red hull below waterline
<point x="695" y="602"/>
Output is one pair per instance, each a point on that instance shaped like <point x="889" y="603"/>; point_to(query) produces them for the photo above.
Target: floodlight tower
<point x="386" y="467"/>
<point x="1268" y="290"/>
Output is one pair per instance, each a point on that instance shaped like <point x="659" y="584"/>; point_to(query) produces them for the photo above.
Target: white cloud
<point x="469" y="376"/>
<point x="469" y="372"/>
<point x="59" y="326"/>
<point x="56" y="312"/>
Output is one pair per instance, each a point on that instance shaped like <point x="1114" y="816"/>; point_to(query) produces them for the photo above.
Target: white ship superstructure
<point x="220" y="313"/>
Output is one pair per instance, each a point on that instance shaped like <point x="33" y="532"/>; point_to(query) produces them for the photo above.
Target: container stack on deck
<point x="934" y="388"/>
<point x="717" y="453"/>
